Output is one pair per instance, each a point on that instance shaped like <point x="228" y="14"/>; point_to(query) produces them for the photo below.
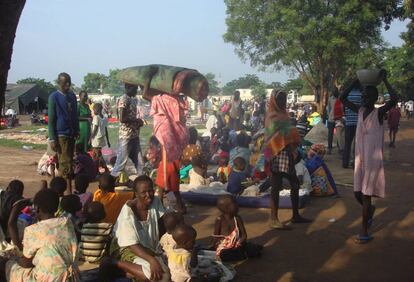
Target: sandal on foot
<point x="275" y="224"/>
<point x="363" y="239"/>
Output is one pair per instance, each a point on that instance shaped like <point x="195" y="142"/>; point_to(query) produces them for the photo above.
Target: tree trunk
<point x="10" y="11"/>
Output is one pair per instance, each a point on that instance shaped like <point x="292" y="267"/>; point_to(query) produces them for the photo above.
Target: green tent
<point x="24" y="98"/>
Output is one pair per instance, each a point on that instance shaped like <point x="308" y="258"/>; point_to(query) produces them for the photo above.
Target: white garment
<point x="211" y="122"/>
<point x="130" y="231"/>
<point x="146" y="268"/>
<point x="11" y="112"/>
<point x="167" y="242"/>
<point x="99" y="140"/>
<point x="197" y="180"/>
<point x="301" y="170"/>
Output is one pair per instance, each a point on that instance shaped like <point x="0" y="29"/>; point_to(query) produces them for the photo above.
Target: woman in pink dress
<point x="369" y="178"/>
<point x="169" y="112"/>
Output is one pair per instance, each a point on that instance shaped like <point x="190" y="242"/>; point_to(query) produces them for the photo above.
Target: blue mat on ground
<point x="251" y="202"/>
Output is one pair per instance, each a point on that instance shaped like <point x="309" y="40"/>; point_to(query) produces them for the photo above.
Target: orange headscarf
<point x="279" y="133"/>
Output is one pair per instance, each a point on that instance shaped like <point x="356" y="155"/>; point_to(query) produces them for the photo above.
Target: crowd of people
<point x="137" y="233"/>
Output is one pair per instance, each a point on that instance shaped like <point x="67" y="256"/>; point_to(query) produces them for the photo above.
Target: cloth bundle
<point x="168" y="79"/>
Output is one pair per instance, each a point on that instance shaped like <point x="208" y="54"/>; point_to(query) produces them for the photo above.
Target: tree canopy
<point x="247" y="81"/>
<point x="317" y="39"/>
<point x="212" y="83"/>
<point x="101" y="83"/>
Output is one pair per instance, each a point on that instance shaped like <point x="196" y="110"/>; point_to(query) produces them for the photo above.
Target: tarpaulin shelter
<point x="24" y="98"/>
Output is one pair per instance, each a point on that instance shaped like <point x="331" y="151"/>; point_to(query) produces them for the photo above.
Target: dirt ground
<point x="320" y="251"/>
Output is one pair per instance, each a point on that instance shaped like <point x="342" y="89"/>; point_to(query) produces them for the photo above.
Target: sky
<point x="81" y="36"/>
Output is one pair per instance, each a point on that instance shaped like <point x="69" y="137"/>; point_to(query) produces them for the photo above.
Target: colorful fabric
<point x="179" y="264"/>
<point x="279" y="131"/>
<point x="53" y="247"/>
<point x="191" y="151"/>
<point x="84" y="128"/>
<point x="223" y="170"/>
<point x="99" y="139"/>
<point x="369" y="176"/>
<point x="128" y="130"/>
<point x="321" y="184"/>
<point x="65" y="151"/>
<point x="112" y="202"/>
<point x="63" y="117"/>
<point x="231" y="241"/>
<point x="170" y="128"/>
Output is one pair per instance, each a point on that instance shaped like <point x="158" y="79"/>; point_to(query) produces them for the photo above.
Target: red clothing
<point x="168" y="177"/>
<point x="394" y="116"/>
<point x="338" y="110"/>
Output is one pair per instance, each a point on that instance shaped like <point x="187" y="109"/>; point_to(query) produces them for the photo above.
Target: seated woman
<point x="49" y="246"/>
<point x="136" y="247"/>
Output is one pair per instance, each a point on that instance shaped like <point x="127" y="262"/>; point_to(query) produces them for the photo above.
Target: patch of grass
<point x="19" y="144"/>
<point x="144" y="135"/>
<point x="23" y="128"/>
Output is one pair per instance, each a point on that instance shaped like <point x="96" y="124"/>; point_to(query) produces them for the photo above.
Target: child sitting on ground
<point x="95" y="234"/>
<point x="13" y="193"/>
<point x="238" y="177"/>
<point x="230" y="236"/>
<point x="84" y="164"/>
<point x="223" y="170"/>
<point x="59" y="185"/>
<point x="184" y="256"/>
<point x="112" y="201"/>
<point x="198" y="173"/>
<point x="71" y="204"/>
<point x="171" y="220"/>
<point x="81" y="184"/>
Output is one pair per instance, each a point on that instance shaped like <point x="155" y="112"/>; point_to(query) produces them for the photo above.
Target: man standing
<point x="129" y="145"/>
<point x="63" y="126"/>
<point x="235" y="111"/>
<point x="351" y="120"/>
<point x="331" y="119"/>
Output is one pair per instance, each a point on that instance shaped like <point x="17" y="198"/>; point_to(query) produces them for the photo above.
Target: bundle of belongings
<point x="167" y="79"/>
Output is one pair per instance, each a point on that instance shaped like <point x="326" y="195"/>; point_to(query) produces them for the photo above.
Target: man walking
<point x="129" y="145"/>
<point x="63" y="126"/>
<point x="351" y="120"/>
